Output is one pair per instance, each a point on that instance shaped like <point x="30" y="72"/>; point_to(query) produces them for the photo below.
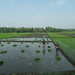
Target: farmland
<point x="32" y="56"/>
<point x="67" y="44"/>
<point x="6" y="35"/>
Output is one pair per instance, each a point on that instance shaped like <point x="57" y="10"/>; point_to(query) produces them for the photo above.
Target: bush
<point x="58" y="58"/>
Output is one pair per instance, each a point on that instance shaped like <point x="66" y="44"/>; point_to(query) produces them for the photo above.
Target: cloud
<point x="29" y="6"/>
<point x="11" y="1"/>
<point x="60" y="2"/>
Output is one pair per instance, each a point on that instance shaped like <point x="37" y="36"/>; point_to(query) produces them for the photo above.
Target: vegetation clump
<point x="3" y="51"/>
<point x="2" y="44"/>
<point x="37" y="51"/>
<point x="27" y="46"/>
<point x="39" y="46"/>
<point x="1" y="62"/>
<point x="58" y="58"/>
<point x="49" y="50"/>
<point x="8" y="42"/>
<point x="21" y="42"/>
<point x="37" y="59"/>
<point x="15" y="45"/>
<point x="22" y="50"/>
<point x="49" y="46"/>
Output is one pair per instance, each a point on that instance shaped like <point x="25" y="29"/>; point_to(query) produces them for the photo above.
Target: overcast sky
<point x="37" y="13"/>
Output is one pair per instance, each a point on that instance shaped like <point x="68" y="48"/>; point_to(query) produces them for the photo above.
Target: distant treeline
<point x="23" y="30"/>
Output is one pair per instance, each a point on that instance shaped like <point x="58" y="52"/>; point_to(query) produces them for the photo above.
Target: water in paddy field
<point x="26" y="39"/>
<point x="17" y="62"/>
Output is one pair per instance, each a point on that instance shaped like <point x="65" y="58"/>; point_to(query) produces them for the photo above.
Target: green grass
<point x="6" y="35"/>
<point x="37" y="59"/>
<point x="21" y="42"/>
<point x="58" y="58"/>
<point x="37" y="51"/>
<point x="56" y="35"/>
<point x="49" y="46"/>
<point x="1" y="62"/>
<point x="22" y="50"/>
<point x="3" y="51"/>
<point x="8" y="42"/>
<point x="15" y="45"/>
<point x="49" y="50"/>
<point x="66" y="44"/>
<point x="27" y="45"/>
<point x="39" y="46"/>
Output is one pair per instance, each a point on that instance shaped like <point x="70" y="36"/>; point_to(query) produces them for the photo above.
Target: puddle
<point x="17" y="62"/>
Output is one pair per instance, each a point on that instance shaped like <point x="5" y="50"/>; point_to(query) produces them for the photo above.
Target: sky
<point x="37" y="13"/>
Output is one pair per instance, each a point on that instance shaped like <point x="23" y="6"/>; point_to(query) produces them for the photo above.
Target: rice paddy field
<point x="6" y="35"/>
<point x="66" y="44"/>
<point x="24" y="54"/>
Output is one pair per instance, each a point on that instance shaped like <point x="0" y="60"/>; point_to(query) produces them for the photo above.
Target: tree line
<point x="25" y="29"/>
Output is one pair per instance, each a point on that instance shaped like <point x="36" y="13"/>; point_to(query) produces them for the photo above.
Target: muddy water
<point x="17" y="62"/>
<point x="26" y="39"/>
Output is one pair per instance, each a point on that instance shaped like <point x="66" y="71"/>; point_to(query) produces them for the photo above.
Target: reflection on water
<point x="43" y="51"/>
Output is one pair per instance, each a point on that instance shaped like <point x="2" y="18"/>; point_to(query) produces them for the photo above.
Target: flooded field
<point x="16" y="61"/>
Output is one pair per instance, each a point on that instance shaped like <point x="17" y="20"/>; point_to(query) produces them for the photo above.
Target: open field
<point x="6" y="35"/>
<point x="66" y="44"/>
<point x="57" y="35"/>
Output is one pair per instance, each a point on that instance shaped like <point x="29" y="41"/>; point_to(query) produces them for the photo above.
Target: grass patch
<point x="6" y="35"/>
<point x="27" y="45"/>
<point x="8" y="42"/>
<point x="3" y="51"/>
<point x="2" y="44"/>
<point x="47" y="42"/>
<point x="22" y="50"/>
<point x="21" y="42"/>
<point x="39" y="46"/>
<point x="15" y="45"/>
<point x="49" y="46"/>
<point x="58" y="58"/>
<point x="1" y="62"/>
<point x="37" y="51"/>
<point x="37" y="59"/>
<point x="49" y="50"/>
